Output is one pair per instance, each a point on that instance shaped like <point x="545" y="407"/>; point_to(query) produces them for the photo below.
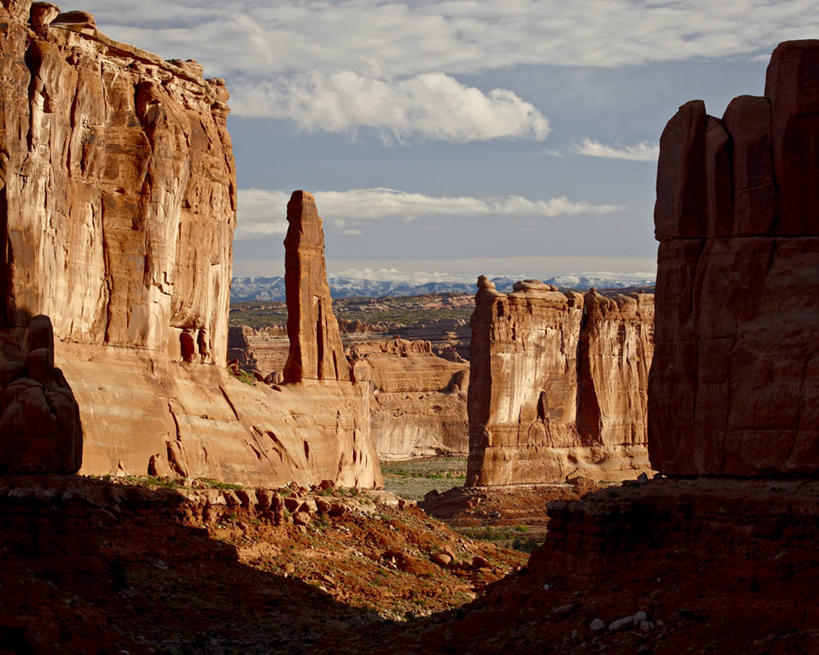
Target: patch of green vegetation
<point x="506" y="536"/>
<point x="438" y="468"/>
<point x="414" y="478"/>
<point x="210" y="483"/>
<point x="244" y="376"/>
<point x="150" y="481"/>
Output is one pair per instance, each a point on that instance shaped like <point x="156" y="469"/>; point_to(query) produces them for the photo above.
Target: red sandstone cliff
<point x="734" y="388"/>
<point x="117" y="198"/>
<point x="557" y="385"/>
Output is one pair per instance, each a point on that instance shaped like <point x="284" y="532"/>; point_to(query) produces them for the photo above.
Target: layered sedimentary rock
<point x="734" y="387"/>
<point x="418" y="406"/>
<point x="557" y="385"/>
<point x="316" y="352"/>
<point x="263" y="350"/>
<point x="118" y="205"/>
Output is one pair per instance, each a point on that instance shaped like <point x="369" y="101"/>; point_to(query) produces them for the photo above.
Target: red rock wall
<point x="119" y="198"/>
<point x="117" y="211"/>
<point x="734" y="386"/>
<point x="557" y="385"/>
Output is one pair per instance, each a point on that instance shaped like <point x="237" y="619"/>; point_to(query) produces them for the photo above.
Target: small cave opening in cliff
<point x="187" y="346"/>
<point x="202" y="344"/>
<point x="306" y="450"/>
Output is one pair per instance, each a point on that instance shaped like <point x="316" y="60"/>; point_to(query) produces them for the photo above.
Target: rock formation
<point x="40" y="427"/>
<point x="557" y="385"/>
<point x="263" y="350"/>
<point x="316" y="352"/>
<point x="418" y="406"/>
<point x="118" y="205"/>
<point x="734" y="387"/>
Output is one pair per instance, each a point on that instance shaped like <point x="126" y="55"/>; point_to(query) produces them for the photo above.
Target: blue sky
<point x="445" y="139"/>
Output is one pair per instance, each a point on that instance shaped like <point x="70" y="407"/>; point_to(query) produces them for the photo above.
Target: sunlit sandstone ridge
<point x="734" y="389"/>
<point x="118" y="205"/>
<point x="557" y="385"/>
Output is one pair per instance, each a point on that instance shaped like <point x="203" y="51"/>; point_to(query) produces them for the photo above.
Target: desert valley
<point x="529" y="467"/>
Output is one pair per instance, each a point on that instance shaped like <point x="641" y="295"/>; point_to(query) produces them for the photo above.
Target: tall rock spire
<point x="316" y="351"/>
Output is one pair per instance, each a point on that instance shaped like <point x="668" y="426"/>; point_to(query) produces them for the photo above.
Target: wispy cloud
<point x="642" y="151"/>
<point x="262" y="211"/>
<point x="429" y="106"/>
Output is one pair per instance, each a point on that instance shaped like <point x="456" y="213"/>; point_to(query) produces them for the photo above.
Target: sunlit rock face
<point x="418" y="407"/>
<point x="734" y="388"/>
<point x="316" y="351"/>
<point x="557" y="385"/>
<point x="117" y="211"/>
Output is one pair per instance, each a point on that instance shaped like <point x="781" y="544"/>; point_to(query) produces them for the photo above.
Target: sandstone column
<point x="316" y="351"/>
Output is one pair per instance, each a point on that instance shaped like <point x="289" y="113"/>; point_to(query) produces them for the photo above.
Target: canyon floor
<point x="148" y="566"/>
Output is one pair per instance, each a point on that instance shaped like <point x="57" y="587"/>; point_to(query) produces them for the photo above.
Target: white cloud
<point x="262" y="211"/>
<point x="642" y="151"/>
<point x="429" y="106"/>
<point x="390" y="65"/>
<point x="395" y="275"/>
<point x="400" y="39"/>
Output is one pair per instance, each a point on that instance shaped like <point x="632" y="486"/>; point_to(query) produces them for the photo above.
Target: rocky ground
<point x="663" y="566"/>
<point x="668" y="566"/>
<point x="146" y="565"/>
<point x="513" y="516"/>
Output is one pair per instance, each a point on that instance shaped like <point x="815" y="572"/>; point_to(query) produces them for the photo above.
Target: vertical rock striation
<point x="734" y="387"/>
<point x="316" y="351"/>
<point x="117" y="211"/>
<point x="557" y="385"/>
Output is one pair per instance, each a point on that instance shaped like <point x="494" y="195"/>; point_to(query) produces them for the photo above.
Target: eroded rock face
<point x="118" y="205"/>
<point x="557" y="385"/>
<point x="418" y="407"/>
<point x="316" y="352"/>
<point x="734" y="387"/>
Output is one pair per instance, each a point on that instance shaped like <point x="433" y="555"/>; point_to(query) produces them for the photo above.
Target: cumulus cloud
<point x="642" y="151"/>
<point x="431" y="106"/>
<point x="262" y="211"/>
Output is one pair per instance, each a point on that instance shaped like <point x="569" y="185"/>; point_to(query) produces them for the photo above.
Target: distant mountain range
<point x="272" y="288"/>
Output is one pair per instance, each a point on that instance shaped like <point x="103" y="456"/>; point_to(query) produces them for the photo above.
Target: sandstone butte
<point x="734" y="388"/>
<point x="118" y="205"/>
<point x="418" y="405"/>
<point x="558" y="385"/>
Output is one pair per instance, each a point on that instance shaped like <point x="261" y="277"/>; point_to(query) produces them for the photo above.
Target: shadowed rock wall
<point x="557" y="385"/>
<point x="734" y="387"/>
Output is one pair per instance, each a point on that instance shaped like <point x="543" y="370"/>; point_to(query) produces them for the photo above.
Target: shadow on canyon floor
<point x="80" y="576"/>
<point x="718" y="567"/>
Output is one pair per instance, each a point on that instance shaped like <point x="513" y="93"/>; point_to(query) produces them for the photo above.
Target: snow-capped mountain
<point x="272" y="288"/>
